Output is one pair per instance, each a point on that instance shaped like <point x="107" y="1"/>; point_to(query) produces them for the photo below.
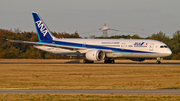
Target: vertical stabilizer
<point x="42" y="30"/>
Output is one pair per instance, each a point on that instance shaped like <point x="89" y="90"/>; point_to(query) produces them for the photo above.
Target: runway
<point x="80" y="61"/>
<point x="90" y="63"/>
<point x="74" y="62"/>
<point x="91" y="91"/>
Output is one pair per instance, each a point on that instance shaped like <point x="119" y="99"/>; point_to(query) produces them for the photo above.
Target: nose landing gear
<point x="158" y="60"/>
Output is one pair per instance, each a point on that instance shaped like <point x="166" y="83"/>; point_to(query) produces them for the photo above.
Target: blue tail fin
<point x="42" y="30"/>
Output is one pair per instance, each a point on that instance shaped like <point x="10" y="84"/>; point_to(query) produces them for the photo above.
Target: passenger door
<point x="151" y="47"/>
<point x="123" y="46"/>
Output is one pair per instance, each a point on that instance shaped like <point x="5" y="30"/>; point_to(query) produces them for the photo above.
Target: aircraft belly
<point x="138" y="55"/>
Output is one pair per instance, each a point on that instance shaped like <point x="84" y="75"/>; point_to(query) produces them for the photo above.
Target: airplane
<point x="97" y="49"/>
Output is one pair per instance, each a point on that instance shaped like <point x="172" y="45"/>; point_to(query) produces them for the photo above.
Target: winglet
<point x="42" y="30"/>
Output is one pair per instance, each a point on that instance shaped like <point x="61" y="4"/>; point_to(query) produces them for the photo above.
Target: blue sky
<point x="87" y="16"/>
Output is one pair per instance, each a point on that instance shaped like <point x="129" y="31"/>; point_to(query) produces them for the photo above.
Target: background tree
<point x="175" y="45"/>
<point x="10" y="50"/>
<point x="160" y="36"/>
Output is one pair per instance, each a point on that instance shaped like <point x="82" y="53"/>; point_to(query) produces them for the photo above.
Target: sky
<point x="141" y="17"/>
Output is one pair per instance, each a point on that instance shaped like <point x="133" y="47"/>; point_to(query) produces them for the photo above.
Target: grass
<point x="85" y="97"/>
<point x="89" y="76"/>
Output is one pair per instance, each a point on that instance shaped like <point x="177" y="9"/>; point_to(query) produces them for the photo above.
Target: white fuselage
<point x="132" y="48"/>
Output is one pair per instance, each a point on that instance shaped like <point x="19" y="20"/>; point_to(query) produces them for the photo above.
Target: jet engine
<point x="138" y="59"/>
<point x="95" y="55"/>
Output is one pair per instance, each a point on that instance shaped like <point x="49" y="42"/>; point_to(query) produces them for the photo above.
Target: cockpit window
<point x="164" y="46"/>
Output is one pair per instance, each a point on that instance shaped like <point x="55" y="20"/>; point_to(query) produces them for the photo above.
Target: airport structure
<point x="105" y="28"/>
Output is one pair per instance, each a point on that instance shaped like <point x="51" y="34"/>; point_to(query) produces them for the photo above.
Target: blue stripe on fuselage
<point x="70" y="44"/>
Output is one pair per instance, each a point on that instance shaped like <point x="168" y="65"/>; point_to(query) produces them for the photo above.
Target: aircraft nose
<point x="168" y="52"/>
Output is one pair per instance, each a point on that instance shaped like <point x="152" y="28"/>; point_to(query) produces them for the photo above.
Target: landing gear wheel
<point x="87" y="61"/>
<point x="109" y="61"/>
<point x="105" y="61"/>
<point x="158" y="62"/>
<point x="113" y="61"/>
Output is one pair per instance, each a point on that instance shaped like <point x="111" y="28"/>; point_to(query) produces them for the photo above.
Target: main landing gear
<point x="109" y="60"/>
<point x="87" y="61"/>
<point x="158" y="60"/>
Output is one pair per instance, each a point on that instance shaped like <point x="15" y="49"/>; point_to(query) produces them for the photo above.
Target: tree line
<point x="10" y="50"/>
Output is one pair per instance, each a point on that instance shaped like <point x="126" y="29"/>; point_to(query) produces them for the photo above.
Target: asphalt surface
<point x="91" y="91"/>
<point x="75" y="62"/>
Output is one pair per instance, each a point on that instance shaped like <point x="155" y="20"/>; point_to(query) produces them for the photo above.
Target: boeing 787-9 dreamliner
<point x="97" y="49"/>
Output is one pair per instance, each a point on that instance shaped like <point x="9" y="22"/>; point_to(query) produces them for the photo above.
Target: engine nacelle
<point x="138" y="59"/>
<point x="95" y="55"/>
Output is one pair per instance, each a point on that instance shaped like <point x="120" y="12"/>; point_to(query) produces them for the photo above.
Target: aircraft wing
<point x="45" y="44"/>
<point x="81" y="50"/>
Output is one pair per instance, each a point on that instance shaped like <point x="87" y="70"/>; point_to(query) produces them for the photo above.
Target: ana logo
<point x="42" y="27"/>
<point x="140" y="44"/>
